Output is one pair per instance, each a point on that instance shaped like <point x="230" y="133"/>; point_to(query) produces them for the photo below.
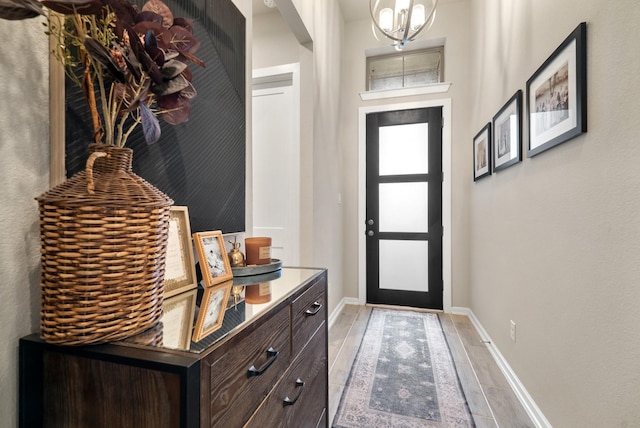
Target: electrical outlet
<point x="513" y="330"/>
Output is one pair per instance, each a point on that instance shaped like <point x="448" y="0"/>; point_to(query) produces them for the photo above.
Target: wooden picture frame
<point x="557" y="95"/>
<point x="212" y="256"/>
<point x="507" y="134"/>
<point x="482" y="153"/>
<point x="177" y="320"/>
<point x="180" y="268"/>
<point x="212" y="310"/>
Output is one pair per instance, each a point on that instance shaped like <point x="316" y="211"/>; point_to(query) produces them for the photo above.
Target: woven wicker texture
<point x="103" y="236"/>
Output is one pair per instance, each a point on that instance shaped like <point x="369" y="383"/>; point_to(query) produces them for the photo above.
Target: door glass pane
<point x="403" y="207"/>
<point x="403" y="265"/>
<point x="403" y="149"/>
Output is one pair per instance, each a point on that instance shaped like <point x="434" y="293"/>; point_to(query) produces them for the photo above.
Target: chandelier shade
<point x="401" y="21"/>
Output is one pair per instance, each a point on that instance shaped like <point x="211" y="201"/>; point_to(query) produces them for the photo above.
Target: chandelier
<point x="401" y="20"/>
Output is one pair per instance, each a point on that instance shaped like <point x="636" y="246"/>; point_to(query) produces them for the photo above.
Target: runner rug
<point x="403" y="376"/>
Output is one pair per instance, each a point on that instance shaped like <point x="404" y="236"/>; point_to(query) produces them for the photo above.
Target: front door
<point x="404" y="208"/>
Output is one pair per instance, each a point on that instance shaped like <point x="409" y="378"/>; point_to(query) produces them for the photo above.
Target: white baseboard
<point x="518" y="388"/>
<point x="345" y="301"/>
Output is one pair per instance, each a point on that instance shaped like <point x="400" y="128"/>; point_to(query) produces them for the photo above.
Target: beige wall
<point x="24" y="174"/>
<point x="555" y="240"/>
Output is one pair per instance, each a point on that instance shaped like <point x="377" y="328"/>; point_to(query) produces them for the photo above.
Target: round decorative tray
<point x="257" y="279"/>
<point x="257" y="269"/>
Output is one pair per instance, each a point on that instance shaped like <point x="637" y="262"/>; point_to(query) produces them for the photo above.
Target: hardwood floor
<point x="491" y="399"/>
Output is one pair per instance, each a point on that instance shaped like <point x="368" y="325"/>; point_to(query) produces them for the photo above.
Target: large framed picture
<point x="507" y="134"/>
<point x="180" y="268"/>
<point x="482" y="153"/>
<point x="212" y="309"/>
<point x="212" y="256"/>
<point x="557" y="95"/>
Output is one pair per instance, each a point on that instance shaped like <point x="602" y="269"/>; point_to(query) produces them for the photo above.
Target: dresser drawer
<point x="299" y="399"/>
<point x="243" y="372"/>
<point x="308" y="312"/>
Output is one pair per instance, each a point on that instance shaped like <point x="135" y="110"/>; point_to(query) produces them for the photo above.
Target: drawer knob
<point x="272" y="354"/>
<point x="288" y="401"/>
<point x="316" y="308"/>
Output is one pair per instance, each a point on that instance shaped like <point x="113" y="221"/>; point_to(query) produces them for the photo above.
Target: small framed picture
<point x="507" y="133"/>
<point x="212" y="256"/>
<point x="482" y="153"/>
<point x="180" y="268"/>
<point x="177" y="320"/>
<point x="557" y="95"/>
<point x="212" y="309"/>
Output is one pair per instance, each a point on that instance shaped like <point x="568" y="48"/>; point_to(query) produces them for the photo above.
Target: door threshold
<point x="402" y="308"/>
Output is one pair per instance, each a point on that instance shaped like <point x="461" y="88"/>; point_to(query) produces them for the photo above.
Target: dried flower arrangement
<point x="131" y="64"/>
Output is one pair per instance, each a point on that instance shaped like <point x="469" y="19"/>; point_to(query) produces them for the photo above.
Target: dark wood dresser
<point x="265" y="367"/>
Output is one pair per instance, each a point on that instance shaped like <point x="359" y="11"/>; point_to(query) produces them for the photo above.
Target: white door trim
<point x="446" y="192"/>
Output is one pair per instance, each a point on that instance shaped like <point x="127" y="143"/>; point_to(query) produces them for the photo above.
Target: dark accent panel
<point x="200" y="163"/>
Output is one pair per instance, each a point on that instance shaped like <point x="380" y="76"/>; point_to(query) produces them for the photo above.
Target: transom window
<point x="405" y="69"/>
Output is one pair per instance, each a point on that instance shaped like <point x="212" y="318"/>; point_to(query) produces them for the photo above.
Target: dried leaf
<point x="176" y="110"/>
<point x="170" y="86"/>
<point x="148" y="65"/>
<point x="188" y="92"/>
<point x="148" y="16"/>
<point x="182" y="40"/>
<point x="150" y="124"/>
<point x="16" y="10"/>
<point x="184" y="23"/>
<point x="100" y="54"/>
<point x="157" y="6"/>
<point x="69" y="7"/>
<point x="172" y="68"/>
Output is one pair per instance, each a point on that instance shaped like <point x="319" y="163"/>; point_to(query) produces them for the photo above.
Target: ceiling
<point x="351" y="9"/>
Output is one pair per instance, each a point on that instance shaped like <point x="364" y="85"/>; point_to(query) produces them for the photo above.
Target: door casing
<point x="446" y="192"/>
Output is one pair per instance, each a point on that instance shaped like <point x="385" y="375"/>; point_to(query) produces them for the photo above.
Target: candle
<point x="259" y="293"/>
<point x="258" y="250"/>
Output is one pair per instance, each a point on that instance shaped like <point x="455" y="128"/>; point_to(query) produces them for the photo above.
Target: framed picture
<point x="177" y="320"/>
<point x="180" y="269"/>
<point x="212" y="309"/>
<point x="557" y="95"/>
<point x="507" y="134"/>
<point x="212" y="255"/>
<point x="482" y="153"/>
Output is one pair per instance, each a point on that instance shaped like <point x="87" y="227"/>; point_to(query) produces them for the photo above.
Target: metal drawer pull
<point x="272" y="354"/>
<point x="288" y="401"/>
<point x="317" y="306"/>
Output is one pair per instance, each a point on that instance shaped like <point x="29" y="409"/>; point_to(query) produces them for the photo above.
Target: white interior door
<point x="276" y="161"/>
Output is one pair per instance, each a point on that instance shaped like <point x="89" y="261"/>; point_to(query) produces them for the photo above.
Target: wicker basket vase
<point x="103" y="234"/>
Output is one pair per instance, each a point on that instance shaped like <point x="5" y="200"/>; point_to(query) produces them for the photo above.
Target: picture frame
<point x="557" y="95"/>
<point x="177" y="320"/>
<point x="212" y="310"/>
<point x="180" y="267"/>
<point x="482" y="153"/>
<point x="212" y="256"/>
<point x="507" y="134"/>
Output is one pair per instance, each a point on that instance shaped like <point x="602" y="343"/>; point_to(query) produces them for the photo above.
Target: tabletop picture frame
<point x="557" y="95"/>
<point x="212" y="257"/>
<point x="212" y="310"/>
<point x="482" y="153"/>
<point x="177" y="320"/>
<point x="180" y="267"/>
<point x="507" y="134"/>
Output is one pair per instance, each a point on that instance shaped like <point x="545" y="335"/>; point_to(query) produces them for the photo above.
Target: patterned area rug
<point x="403" y="376"/>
